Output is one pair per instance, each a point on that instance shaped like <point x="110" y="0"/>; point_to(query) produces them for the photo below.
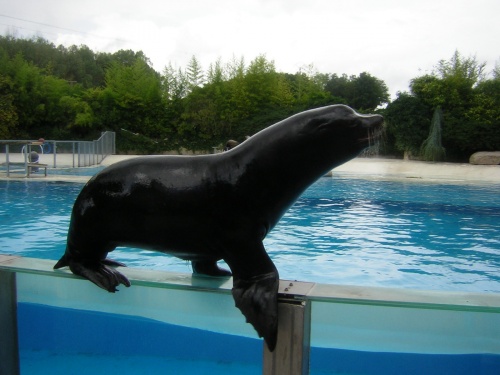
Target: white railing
<point x="56" y="153"/>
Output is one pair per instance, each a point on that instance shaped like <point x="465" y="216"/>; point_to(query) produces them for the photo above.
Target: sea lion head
<point x="340" y="123"/>
<point x="335" y="131"/>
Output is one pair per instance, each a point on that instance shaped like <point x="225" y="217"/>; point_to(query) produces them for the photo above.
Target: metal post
<point x="9" y="348"/>
<point x="7" y="159"/>
<point x="79" y="143"/>
<point x="291" y="355"/>
<point x="54" y="151"/>
<point x="73" y="154"/>
<point x="98" y="151"/>
<point x="26" y="152"/>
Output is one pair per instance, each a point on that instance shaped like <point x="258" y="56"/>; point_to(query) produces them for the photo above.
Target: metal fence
<point x="64" y="153"/>
<point x="86" y="153"/>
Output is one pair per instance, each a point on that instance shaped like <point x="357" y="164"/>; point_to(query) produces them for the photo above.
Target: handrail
<point x="84" y="153"/>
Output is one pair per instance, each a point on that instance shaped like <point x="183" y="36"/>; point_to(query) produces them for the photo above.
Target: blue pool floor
<point x="49" y="363"/>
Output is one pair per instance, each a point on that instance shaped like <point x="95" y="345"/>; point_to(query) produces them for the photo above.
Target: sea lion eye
<point x="315" y="125"/>
<point x="354" y="123"/>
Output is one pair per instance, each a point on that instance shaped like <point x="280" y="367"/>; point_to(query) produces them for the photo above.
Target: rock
<point x="485" y="158"/>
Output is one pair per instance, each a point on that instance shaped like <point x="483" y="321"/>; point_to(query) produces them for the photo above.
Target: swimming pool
<point x="407" y="233"/>
<point x="342" y="231"/>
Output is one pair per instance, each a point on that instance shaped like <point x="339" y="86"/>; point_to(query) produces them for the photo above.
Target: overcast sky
<point x="393" y="40"/>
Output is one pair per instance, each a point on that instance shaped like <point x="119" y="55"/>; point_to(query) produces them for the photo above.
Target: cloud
<point x="392" y="40"/>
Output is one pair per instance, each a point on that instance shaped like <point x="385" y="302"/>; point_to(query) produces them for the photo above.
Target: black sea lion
<point x="207" y="208"/>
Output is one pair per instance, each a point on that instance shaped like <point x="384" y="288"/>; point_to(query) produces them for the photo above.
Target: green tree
<point x="369" y="92"/>
<point x="458" y="67"/>
<point x="216" y="74"/>
<point x="466" y="97"/>
<point x="81" y="65"/>
<point x="260" y="83"/>
<point x="28" y="97"/>
<point x="174" y="83"/>
<point x="308" y="88"/>
<point x="237" y="107"/>
<point x="52" y="117"/>
<point x="8" y="113"/>
<point x="194" y="74"/>
<point x="363" y="92"/>
<point x="407" y="119"/>
<point x="452" y="83"/>
<point x="133" y="97"/>
<point x="79" y="115"/>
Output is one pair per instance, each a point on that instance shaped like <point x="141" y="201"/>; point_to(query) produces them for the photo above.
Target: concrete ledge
<point x="393" y="168"/>
<point x="445" y="300"/>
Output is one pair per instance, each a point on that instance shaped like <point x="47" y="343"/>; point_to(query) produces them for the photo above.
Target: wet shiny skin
<point x="207" y="208"/>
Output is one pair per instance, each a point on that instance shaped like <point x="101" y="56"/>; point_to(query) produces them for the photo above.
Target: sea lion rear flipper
<point x="103" y="276"/>
<point x="210" y="268"/>
<point x="112" y="263"/>
<point x="255" y="291"/>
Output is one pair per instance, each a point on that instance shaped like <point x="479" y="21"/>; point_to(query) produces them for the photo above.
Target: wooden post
<point x="291" y="355"/>
<point x="9" y="348"/>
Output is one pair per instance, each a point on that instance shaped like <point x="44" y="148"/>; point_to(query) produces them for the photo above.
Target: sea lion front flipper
<point x="257" y="298"/>
<point x="255" y="291"/>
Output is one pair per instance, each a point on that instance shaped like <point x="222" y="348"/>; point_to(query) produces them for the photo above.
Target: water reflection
<point x="394" y="234"/>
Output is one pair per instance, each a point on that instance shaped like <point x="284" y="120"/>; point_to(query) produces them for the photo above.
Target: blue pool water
<point x="160" y="348"/>
<point x="82" y="171"/>
<point x="406" y="234"/>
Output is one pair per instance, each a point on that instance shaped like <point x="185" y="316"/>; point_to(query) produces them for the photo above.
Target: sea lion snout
<point x="375" y="122"/>
<point x="371" y="128"/>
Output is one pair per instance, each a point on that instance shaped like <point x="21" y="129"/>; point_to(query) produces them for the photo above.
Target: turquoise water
<point x="82" y="171"/>
<point x="404" y="234"/>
